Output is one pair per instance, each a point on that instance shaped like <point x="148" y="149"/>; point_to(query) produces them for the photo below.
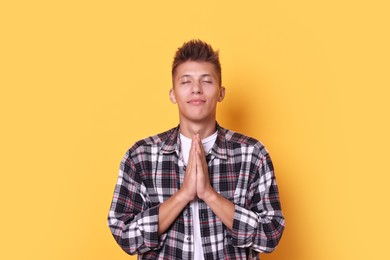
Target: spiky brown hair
<point x="196" y="50"/>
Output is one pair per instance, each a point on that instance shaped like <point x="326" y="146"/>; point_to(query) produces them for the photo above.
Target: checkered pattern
<point x="240" y="169"/>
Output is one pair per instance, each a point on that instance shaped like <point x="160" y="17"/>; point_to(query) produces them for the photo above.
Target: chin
<point x="199" y="119"/>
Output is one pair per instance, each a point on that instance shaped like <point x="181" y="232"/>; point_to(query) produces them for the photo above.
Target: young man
<point x="197" y="191"/>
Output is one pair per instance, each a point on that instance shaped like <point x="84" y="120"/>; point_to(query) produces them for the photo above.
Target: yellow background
<point x="81" y="81"/>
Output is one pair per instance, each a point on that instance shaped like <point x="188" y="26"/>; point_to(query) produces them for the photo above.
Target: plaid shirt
<point x="240" y="169"/>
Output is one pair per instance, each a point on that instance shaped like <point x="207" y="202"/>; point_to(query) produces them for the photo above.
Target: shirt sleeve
<point x="132" y="222"/>
<point x="260" y="226"/>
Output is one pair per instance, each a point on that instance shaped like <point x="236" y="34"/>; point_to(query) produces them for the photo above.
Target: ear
<point x="172" y="96"/>
<point x="222" y="92"/>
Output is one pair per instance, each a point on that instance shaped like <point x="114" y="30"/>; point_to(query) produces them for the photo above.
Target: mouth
<point x="196" y="102"/>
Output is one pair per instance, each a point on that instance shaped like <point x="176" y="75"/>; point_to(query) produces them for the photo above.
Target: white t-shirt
<point x="208" y="143"/>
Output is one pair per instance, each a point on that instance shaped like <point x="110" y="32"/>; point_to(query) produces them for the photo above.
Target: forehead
<point x="195" y="68"/>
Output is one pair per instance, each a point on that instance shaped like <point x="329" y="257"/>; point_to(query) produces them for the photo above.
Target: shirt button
<point x="188" y="238"/>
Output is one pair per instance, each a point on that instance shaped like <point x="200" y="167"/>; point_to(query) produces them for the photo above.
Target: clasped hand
<point x="196" y="180"/>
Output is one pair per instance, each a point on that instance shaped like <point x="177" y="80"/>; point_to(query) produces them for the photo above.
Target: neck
<point x="189" y="129"/>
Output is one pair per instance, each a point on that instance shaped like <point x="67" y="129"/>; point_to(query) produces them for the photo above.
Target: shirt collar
<point x="219" y="149"/>
<point x="172" y="143"/>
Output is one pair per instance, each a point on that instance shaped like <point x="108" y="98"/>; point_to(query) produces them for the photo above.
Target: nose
<point x="197" y="88"/>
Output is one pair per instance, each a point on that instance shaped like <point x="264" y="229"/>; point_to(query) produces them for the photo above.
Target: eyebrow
<point x="203" y="75"/>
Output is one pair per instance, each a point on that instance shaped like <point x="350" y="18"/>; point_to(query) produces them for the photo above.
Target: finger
<point x="194" y="154"/>
<point x="199" y="145"/>
<point x="199" y="169"/>
<point x="201" y="148"/>
<point x="201" y="152"/>
<point x="194" y="144"/>
<point x="192" y="151"/>
<point x="189" y="163"/>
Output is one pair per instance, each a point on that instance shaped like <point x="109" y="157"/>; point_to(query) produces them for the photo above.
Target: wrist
<point x="183" y="197"/>
<point x="209" y="196"/>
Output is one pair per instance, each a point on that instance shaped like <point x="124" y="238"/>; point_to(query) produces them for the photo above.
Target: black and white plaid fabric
<point x="240" y="169"/>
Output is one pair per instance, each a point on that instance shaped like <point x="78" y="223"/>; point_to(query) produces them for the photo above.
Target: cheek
<point x="179" y="98"/>
<point x="215" y="95"/>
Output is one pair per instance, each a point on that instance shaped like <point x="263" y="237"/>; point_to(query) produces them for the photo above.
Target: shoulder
<point x="249" y="149"/>
<point x="152" y="144"/>
<point x="154" y="140"/>
<point x="235" y="139"/>
<point x="238" y="138"/>
<point x="147" y="148"/>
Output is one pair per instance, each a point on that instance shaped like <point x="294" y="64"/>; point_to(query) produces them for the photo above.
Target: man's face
<point x="196" y="91"/>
